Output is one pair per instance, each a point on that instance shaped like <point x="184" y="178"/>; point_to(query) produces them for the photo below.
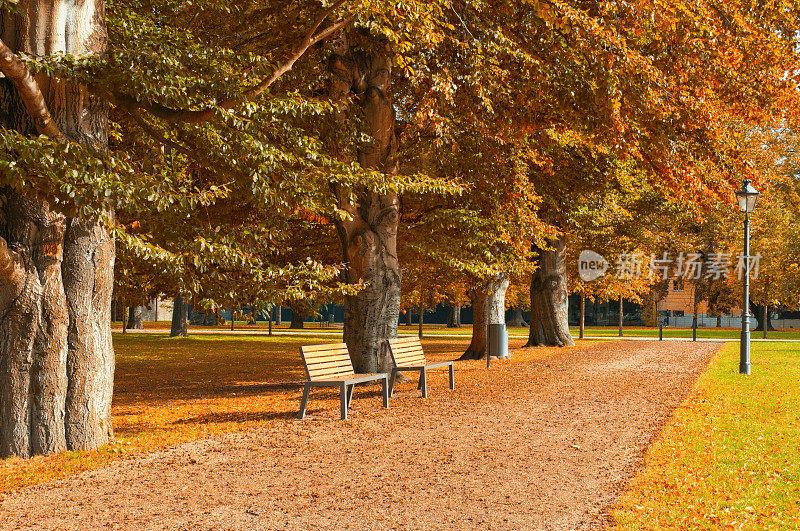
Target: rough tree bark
<point x="297" y="319"/>
<point x="180" y="317"/>
<point x="454" y="315"/>
<point x="136" y="318"/>
<point x="421" y="319"/>
<point x="408" y="318"/>
<point x="549" y="304"/>
<point x="278" y="316"/>
<point x="88" y="272"/>
<point x="361" y="67"/>
<point x="516" y="318"/>
<point x="488" y="307"/>
<point x="56" y="356"/>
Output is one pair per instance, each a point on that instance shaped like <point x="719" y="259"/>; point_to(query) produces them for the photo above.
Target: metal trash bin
<point x="498" y="340"/>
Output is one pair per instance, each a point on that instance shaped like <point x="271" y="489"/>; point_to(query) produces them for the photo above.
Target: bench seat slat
<point x="408" y="353"/>
<point x="406" y="363"/>
<point x="414" y="356"/>
<point x="325" y="366"/>
<point x="417" y="352"/>
<point x="329" y="371"/>
<point x="326" y="355"/>
<point x="405" y="347"/>
<point x="329" y="359"/>
<point x="328" y="346"/>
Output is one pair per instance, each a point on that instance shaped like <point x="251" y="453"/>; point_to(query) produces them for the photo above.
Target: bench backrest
<point x="326" y="361"/>
<point x="407" y="352"/>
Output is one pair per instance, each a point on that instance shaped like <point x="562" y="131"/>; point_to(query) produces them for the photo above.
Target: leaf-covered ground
<point x="174" y="390"/>
<point x="730" y="458"/>
<point x="545" y="440"/>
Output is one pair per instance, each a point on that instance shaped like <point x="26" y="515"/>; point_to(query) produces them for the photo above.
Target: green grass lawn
<point x="702" y="333"/>
<point x="466" y="330"/>
<point x="730" y="457"/>
<point x="613" y="331"/>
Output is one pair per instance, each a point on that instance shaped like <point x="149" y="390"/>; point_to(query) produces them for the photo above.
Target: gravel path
<point x="544" y="444"/>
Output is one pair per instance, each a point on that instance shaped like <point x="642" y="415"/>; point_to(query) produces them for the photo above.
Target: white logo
<point x="591" y="265"/>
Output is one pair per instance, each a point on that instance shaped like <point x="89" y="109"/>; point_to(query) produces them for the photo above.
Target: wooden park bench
<point x="407" y="355"/>
<point x="330" y="366"/>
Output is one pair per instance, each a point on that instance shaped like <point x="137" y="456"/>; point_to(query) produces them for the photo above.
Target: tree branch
<point x="158" y="137"/>
<point x="30" y="93"/>
<point x="189" y="116"/>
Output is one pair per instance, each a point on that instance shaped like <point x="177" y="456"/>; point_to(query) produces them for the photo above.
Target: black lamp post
<point x="747" y="203"/>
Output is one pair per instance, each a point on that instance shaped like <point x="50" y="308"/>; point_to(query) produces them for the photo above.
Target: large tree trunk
<point x="136" y="318"/>
<point x="421" y="318"/>
<point x="408" y="318"/>
<point x="278" y="316"/>
<point x="180" y="317"/>
<point x="516" y="318"/>
<point x="369" y="237"/>
<point x="549" y="301"/>
<point x="582" y="332"/>
<point x="620" y="316"/>
<point x="297" y="319"/>
<point x="88" y="281"/>
<point x="33" y="329"/>
<point x="56" y="357"/>
<point x="488" y="307"/>
<point x="758" y="313"/>
<point x="454" y="316"/>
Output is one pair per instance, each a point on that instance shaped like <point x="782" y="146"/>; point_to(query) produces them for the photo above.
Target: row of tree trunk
<point x="56" y="375"/>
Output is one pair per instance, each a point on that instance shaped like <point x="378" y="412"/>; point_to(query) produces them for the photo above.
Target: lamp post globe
<point x="746" y="197"/>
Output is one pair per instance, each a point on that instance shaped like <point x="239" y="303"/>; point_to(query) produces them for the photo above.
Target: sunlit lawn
<point x="672" y="332"/>
<point x="730" y="458"/>
<point x="466" y="330"/>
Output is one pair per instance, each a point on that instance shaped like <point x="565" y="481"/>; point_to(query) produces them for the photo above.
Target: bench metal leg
<point x="350" y="394"/>
<point x="343" y="401"/>
<point x="304" y="402"/>
<point x="385" y="386"/>
<point x="423" y="383"/>
<point x="452" y="378"/>
<point x="391" y="382"/>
